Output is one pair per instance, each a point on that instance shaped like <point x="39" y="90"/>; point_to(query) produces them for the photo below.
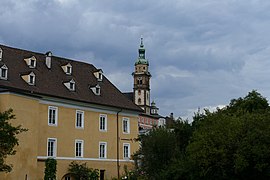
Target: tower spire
<point x="141" y="41"/>
<point x="141" y="59"/>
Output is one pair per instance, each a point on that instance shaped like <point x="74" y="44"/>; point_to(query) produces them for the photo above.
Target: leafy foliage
<point x="157" y="149"/>
<point x="230" y="143"/>
<point x="8" y="138"/>
<point x="50" y="169"/>
<point x="81" y="171"/>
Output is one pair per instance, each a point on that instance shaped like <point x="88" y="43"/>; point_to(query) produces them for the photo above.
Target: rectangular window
<point x="52" y="115"/>
<point x="72" y="86"/>
<point x="68" y="70"/>
<point x="79" y="148"/>
<point x="102" y="150"/>
<point x="3" y="73"/>
<point x="79" y="119"/>
<point x="51" y="147"/>
<point x="31" y="79"/>
<point x="126" y="151"/>
<point x="32" y="63"/>
<point x="103" y="122"/>
<point x="125" y="123"/>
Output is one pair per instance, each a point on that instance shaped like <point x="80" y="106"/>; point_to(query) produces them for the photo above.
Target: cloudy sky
<point x="202" y="53"/>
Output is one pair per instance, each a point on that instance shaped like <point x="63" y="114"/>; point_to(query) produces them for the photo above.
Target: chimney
<point x="48" y="59"/>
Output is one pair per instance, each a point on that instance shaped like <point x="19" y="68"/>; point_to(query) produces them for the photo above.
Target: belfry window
<point x="139" y="81"/>
<point x="139" y="101"/>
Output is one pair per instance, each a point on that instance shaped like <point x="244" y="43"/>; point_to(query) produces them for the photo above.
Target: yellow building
<point x="72" y="113"/>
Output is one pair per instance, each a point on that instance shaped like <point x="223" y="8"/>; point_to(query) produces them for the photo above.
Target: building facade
<point x="72" y="113"/>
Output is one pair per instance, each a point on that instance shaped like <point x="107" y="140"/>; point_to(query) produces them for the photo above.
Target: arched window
<point x="139" y="101"/>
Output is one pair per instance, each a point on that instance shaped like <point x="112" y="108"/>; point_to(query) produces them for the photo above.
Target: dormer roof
<point x="49" y="81"/>
<point x="99" y="74"/>
<point x="67" y="68"/>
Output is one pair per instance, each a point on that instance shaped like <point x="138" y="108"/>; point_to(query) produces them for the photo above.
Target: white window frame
<point x="72" y="85"/>
<point x="56" y="115"/>
<point x="100" y="76"/>
<point x="29" y="78"/>
<point x="126" y="126"/>
<point x="82" y="119"/>
<point x="34" y="63"/>
<point x="103" y="127"/>
<point x="54" y="150"/>
<point x="79" y="154"/>
<point x="69" y="69"/>
<point x="102" y="155"/>
<point x="97" y="90"/>
<point x="126" y="154"/>
<point x="4" y="67"/>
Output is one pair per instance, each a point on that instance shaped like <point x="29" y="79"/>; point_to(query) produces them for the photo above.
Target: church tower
<point x="141" y="75"/>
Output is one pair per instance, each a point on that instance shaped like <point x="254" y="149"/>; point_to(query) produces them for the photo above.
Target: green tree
<point x="233" y="142"/>
<point x="50" y="169"/>
<point x="177" y="169"/>
<point x="82" y="172"/>
<point x="157" y="151"/>
<point x="8" y="138"/>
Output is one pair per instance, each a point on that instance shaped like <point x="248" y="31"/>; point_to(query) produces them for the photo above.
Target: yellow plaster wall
<point x="33" y="115"/>
<point x="66" y="134"/>
<point x="26" y="111"/>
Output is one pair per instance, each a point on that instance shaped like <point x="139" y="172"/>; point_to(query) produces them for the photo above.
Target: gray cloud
<point x="201" y="53"/>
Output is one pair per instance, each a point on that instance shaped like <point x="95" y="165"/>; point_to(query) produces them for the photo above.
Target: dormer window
<point x="67" y="69"/>
<point x="31" y="62"/>
<point x="1" y="54"/>
<point x="3" y="72"/>
<point x="96" y="90"/>
<point x="70" y="85"/>
<point x="99" y="74"/>
<point x="30" y="78"/>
